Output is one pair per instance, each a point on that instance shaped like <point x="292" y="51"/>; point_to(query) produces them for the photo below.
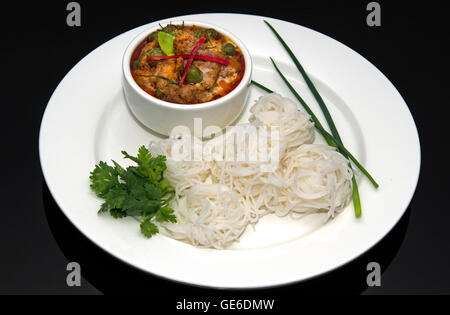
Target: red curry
<point x="187" y="64"/>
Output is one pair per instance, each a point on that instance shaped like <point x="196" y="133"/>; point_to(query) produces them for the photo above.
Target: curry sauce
<point x="160" y="64"/>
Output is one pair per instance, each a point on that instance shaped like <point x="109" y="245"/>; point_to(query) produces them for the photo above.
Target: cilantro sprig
<point x="137" y="191"/>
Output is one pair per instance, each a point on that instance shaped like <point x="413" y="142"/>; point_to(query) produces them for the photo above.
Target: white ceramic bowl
<point x="162" y="116"/>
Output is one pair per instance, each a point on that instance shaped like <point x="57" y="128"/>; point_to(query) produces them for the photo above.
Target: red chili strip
<point x="198" y="57"/>
<point x="191" y="58"/>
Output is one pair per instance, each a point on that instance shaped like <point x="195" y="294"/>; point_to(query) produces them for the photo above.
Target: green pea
<point x="229" y="49"/>
<point x="154" y="52"/>
<point x="211" y="33"/>
<point x="194" y="75"/>
<point x="199" y="33"/>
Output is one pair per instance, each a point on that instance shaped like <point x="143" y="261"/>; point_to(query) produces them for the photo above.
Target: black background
<point x="38" y="49"/>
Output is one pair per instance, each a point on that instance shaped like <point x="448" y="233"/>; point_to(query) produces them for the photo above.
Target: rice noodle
<point x="210" y="215"/>
<point x="318" y="179"/>
<point x="220" y="194"/>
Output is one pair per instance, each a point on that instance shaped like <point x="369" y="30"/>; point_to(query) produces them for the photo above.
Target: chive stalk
<point x="262" y="87"/>
<point x="310" y="84"/>
<point x="329" y="119"/>
<point x="327" y="136"/>
<point x="305" y="106"/>
<point x="355" y="192"/>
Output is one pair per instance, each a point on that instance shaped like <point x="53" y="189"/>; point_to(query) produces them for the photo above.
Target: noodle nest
<point x="269" y="165"/>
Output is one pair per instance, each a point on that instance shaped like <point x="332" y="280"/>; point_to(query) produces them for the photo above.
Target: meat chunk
<point x="184" y="43"/>
<point x="210" y="72"/>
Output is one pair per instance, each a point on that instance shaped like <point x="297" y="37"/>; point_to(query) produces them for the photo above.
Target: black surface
<point x="36" y="240"/>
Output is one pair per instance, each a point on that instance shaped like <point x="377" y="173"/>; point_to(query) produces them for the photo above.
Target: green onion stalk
<point x="333" y="139"/>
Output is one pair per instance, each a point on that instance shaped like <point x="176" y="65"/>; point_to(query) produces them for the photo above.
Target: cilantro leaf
<point x="144" y="156"/>
<point x="103" y="178"/>
<point x="158" y="166"/>
<point x="116" y="197"/>
<point x="166" y="214"/>
<point x="117" y="213"/>
<point x="148" y="166"/>
<point x="127" y="156"/>
<point x="148" y="228"/>
<point x="136" y="190"/>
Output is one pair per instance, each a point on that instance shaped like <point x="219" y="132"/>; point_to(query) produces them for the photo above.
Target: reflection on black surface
<point x="111" y="276"/>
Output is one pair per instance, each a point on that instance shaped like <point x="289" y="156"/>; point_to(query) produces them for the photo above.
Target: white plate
<point x="87" y="120"/>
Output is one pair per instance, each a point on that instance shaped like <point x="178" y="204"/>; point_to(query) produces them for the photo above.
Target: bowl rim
<point x="245" y="81"/>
